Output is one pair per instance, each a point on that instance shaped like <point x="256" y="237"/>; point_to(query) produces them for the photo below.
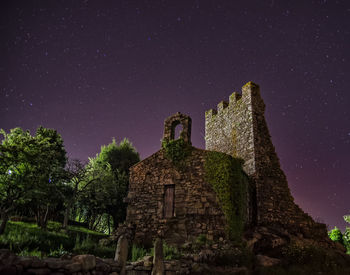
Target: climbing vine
<point x="176" y="150"/>
<point x="230" y="183"/>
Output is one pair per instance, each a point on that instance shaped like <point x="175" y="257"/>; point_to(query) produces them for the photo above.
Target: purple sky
<point x="94" y="70"/>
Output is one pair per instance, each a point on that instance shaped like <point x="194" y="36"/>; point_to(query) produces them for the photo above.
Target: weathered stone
<point x="39" y="271"/>
<point x="87" y="262"/>
<point x="158" y="264"/>
<point x="266" y="261"/>
<point x="121" y="254"/>
<point x="54" y="263"/>
<point x="36" y="263"/>
<point x="73" y="267"/>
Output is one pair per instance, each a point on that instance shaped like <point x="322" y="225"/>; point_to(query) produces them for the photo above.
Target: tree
<point x="16" y="152"/>
<point x="121" y="157"/>
<point x="110" y="171"/>
<point x="32" y="169"/>
<point x="49" y="172"/>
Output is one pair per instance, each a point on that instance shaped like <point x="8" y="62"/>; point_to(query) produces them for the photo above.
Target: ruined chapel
<point x="176" y="201"/>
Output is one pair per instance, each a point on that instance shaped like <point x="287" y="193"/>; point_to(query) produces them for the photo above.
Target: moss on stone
<point x="176" y="150"/>
<point x="230" y="183"/>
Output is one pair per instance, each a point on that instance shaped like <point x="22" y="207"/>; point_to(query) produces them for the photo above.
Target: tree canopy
<point x="31" y="171"/>
<point x="108" y="174"/>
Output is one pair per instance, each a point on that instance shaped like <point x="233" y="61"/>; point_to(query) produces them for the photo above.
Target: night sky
<point x="94" y="70"/>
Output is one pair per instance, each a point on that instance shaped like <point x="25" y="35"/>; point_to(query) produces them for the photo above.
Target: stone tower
<point x="238" y="128"/>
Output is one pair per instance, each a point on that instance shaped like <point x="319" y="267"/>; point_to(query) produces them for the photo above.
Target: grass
<point x="30" y="240"/>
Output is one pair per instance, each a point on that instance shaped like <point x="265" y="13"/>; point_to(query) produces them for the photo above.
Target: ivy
<point x="230" y="183"/>
<point x="176" y="150"/>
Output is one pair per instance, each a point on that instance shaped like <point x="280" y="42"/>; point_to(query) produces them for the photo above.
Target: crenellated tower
<point x="238" y="128"/>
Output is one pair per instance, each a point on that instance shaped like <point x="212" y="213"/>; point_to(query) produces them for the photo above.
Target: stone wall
<point x="238" y="128"/>
<point x="11" y="264"/>
<point x="196" y="207"/>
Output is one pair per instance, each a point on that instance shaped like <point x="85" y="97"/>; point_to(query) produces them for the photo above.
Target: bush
<point x="336" y="235"/>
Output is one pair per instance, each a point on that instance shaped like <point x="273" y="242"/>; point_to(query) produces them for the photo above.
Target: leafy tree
<point x="31" y="172"/>
<point x="16" y="152"/>
<point x="49" y="172"/>
<point x="106" y="193"/>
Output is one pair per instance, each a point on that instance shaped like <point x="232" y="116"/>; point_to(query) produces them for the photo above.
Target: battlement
<point x="250" y="95"/>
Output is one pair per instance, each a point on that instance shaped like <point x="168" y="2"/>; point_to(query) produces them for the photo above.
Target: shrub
<point x="336" y="235"/>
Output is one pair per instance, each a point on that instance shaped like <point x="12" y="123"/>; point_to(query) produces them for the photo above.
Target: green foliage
<point x="336" y="235"/>
<point x="176" y="150"/>
<point x="31" y="171"/>
<point x="106" y="184"/>
<point x="20" y="236"/>
<point x="347" y="218"/>
<point x="137" y="253"/>
<point x="170" y="252"/>
<point x="346" y="239"/>
<point x="201" y="239"/>
<point x="58" y="252"/>
<point x="230" y="183"/>
<point x="29" y="239"/>
<point x="90" y="247"/>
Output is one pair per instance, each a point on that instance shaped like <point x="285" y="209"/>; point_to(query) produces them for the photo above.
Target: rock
<point x="121" y="253"/>
<point x="102" y="266"/>
<point x="158" y="264"/>
<point x="4" y="254"/>
<point x="25" y="261"/>
<point x="266" y="261"/>
<point x="8" y="270"/>
<point x="36" y="263"/>
<point x="54" y="263"/>
<point x="340" y="247"/>
<point x="87" y="262"/>
<point x="40" y="271"/>
<point x="73" y="267"/>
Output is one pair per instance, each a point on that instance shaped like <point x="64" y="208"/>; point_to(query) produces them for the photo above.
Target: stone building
<point x="178" y="203"/>
<point x="174" y="203"/>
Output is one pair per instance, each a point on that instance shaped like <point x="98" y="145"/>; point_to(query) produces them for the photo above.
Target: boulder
<point x="266" y="261"/>
<point x="87" y="262"/>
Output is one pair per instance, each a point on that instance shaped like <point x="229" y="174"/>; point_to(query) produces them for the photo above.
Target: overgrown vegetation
<point x="230" y="183"/>
<point x="176" y="150"/>
<point x="29" y="239"/>
<point x="37" y="181"/>
<point x="343" y="238"/>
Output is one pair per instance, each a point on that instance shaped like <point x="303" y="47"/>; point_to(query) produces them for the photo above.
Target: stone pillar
<point x="121" y="254"/>
<point x="158" y="264"/>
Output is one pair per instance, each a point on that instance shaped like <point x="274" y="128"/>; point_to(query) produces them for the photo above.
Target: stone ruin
<point x="179" y="205"/>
